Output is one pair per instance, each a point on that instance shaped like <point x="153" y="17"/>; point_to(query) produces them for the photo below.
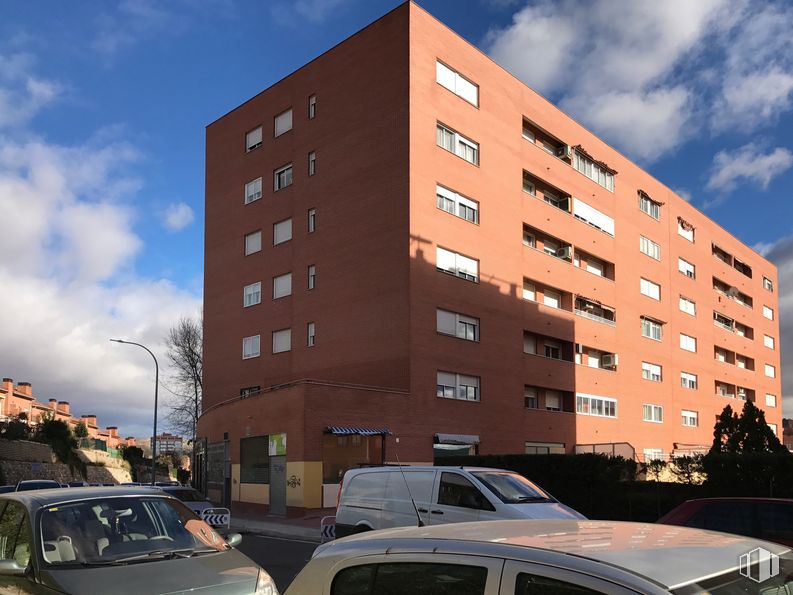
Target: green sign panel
<point x="277" y="445"/>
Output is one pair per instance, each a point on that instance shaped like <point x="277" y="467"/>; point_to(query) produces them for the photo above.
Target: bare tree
<point x="185" y="343"/>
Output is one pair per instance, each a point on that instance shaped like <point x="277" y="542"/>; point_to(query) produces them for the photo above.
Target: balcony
<point x="594" y="310"/>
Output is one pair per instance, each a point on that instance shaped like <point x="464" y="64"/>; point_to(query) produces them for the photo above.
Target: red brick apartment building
<point x="403" y="241"/>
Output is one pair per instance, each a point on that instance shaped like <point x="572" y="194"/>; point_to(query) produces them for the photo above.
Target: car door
<point x="15" y="544"/>
<point x="526" y="578"/>
<point x="456" y="500"/>
<point x="415" y="574"/>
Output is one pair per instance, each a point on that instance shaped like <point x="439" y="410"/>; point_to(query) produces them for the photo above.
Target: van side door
<point x="457" y="500"/>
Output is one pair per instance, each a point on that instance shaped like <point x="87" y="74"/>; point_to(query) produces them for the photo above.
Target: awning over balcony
<point x="347" y="431"/>
<point x="456" y="439"/>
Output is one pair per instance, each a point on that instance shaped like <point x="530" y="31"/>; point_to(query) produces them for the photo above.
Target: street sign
<point x="327" y="529"/>
<point x="216" y="517"/>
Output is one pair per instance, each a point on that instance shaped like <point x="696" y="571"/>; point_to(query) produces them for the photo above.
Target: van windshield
<point x="511" y="487"/>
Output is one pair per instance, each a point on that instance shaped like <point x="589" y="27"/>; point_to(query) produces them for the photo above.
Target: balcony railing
<point x="595" y="317"/>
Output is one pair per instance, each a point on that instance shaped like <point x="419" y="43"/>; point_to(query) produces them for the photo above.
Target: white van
<point x="380" y="497"/>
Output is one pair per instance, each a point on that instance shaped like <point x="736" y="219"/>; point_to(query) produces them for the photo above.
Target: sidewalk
<point x="305" y="528"/>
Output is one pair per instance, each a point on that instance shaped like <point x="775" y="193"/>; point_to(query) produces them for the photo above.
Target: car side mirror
<point x="234" y="539"/>
<point x="11" y="568"/>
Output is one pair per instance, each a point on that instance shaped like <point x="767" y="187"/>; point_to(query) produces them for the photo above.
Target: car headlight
<point x="265" y="584"/>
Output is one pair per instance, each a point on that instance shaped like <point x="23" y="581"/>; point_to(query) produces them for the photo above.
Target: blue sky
<point x="103" y="107"/>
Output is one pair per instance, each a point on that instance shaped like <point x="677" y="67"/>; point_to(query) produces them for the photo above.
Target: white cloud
<point x="178" y="216"/>
<point x="747" y="164"/>
<point x="749" y="101"/>
<point x="295" y="12"/>
<point x="684" y="194"/>
<point x="67" y="260"/>
<point x="23" y="96"/>
<point x="646" y="125"/>
<point x="611" y="65"/>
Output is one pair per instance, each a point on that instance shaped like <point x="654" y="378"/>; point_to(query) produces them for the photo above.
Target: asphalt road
<point x="281" y="558"/>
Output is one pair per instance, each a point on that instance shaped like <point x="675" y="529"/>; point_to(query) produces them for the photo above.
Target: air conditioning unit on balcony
<point x="564" y="152"/>
<point x="609" y="360"/>
<point x="565" y="252"/>
<point x="733" y="292"/>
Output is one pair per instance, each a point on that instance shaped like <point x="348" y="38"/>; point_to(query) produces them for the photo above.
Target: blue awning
<point x="347" y="431"/>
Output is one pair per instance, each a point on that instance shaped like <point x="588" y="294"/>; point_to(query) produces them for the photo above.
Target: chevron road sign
<point x="327" y="529"/>
<point x="217" y="517"/>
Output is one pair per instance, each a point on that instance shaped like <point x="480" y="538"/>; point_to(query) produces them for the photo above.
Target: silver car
<point x="117" y="540"/>
<point x="546" y="557"/>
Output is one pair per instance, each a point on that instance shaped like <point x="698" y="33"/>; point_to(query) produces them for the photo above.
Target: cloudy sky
<point x="103" y="107"/>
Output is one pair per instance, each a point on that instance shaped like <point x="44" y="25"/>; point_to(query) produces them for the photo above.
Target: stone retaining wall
<point x="23" y="450"/>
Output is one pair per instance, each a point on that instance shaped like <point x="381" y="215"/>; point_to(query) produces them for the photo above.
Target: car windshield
<point x="511" y="487"/>
<point x="122" y="530"/>
<point x="758" y="573"/>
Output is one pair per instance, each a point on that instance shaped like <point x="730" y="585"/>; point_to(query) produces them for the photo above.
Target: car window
<point x="112" y="529"/>
<point x="456" y="490"/>
<point x="416" y="578"/>
<point x="727" y="517"/>
<point x="776" y="522"/>
<point x="14" y="534"/>
<point x="530" y="584"/>
<point x="186" y="495"/>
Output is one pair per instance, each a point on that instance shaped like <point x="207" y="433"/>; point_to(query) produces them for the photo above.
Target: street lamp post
<point x="156" y="386"/>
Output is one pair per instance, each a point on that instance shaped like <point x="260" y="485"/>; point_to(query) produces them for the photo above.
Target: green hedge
<point x="598" y="486"/>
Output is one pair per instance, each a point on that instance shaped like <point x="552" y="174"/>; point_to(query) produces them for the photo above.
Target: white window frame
<point x="770" y="400"/>
<point x="593" y="171"/>
<point x="460" y="266"/>
<point x="688" y="343"/>
<point x="282" y="177"/>
<point x="312" y="220"/>
<point x="463" y="147"/>
<point x="650" y="207"/>
<point x="653" y="454"/>
<point x="768" y="341"/>
<point x="452" y="80"/>
<point x="653" y="413"/>
<point x="311" y="334"/>
<point x="312" y="107"/>
<point x="652" y="372"/>
<point x="552" y="298"/>
<point x="312" y="163"/>
<point x="688" y="306"/>
<point x="282" y="340"/>
<point x="689" y="419"/>
<point x="768" y="312"/>
<point x="653" y="327"/>
<point x="253" y="242"/>
<point x="650" y="289"/>
<point x="595" y="405"/>
<point x="770" y="371"/>
<point x="282" y="231"/>
<point x="282" y="123"/>
<point x="312" y="276"/>
<point x="687" y="234"/>
<point x="530" y="394"/>
<point x="457" y="325"/>
<point x="465" y="388"/>
<point x="456" y="204"/>
<point x="768" y="284"/>
<point x="252" y="294"/>
<point x="689" y="381"/>
<point x="253" y="191"/>
<point x="687" y="268"/>
<point x="773" y="428"/>
<point x="251" y="346"/>
<point x="649" y="248"/>
<point x="253" y="139"/>
<point x="282" y="286"/>
<point x="529" y="291"/>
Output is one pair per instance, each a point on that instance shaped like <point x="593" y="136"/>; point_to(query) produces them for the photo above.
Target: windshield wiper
<point x="162" y="555"/>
